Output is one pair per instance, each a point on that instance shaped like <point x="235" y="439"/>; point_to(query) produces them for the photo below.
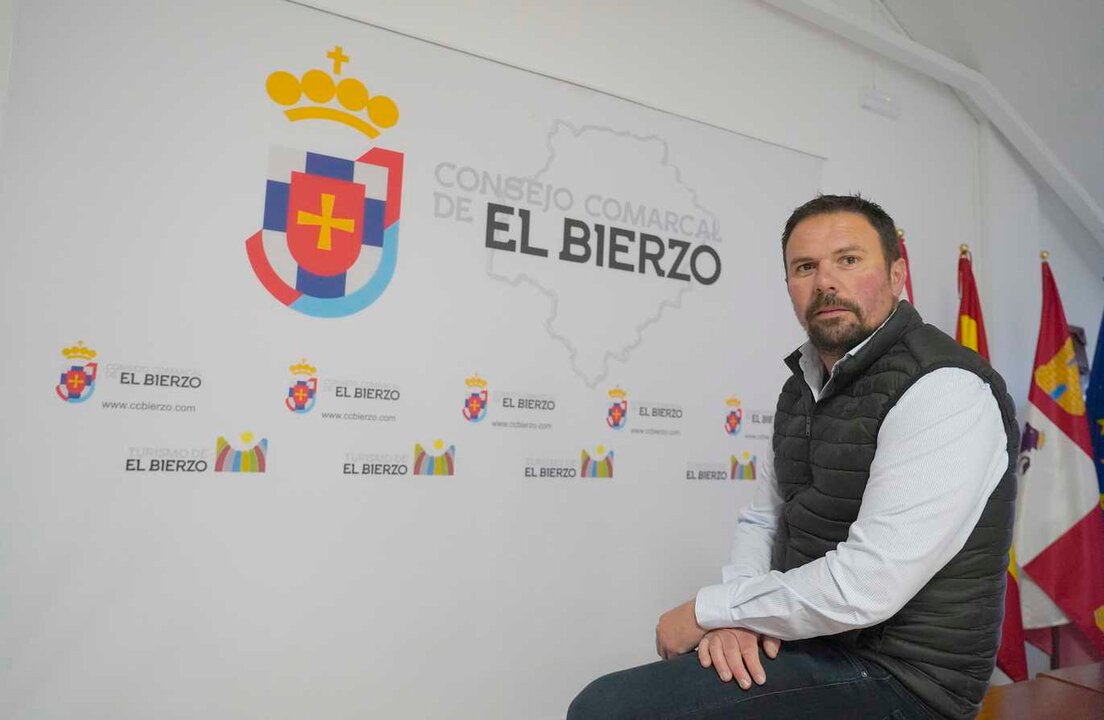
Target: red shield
<point x="325" y="223"/>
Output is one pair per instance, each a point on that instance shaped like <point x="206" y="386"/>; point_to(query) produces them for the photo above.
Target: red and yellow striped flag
<point x="971" y="326"/>
<point x="970" y="331"/>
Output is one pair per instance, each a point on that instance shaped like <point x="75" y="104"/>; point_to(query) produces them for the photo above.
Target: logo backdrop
<point x="393" y="382"/>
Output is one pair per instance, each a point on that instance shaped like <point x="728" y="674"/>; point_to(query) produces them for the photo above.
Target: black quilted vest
<point x="942" y="644"/>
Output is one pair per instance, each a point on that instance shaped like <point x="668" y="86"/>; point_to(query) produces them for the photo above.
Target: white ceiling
<point x="1045" y="58"/>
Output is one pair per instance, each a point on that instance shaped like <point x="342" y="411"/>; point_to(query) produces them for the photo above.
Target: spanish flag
<point x="970" y="331"/>
<point x="1059" y="529"/>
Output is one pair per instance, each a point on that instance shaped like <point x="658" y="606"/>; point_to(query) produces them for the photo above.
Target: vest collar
<point x="902" y="319"/>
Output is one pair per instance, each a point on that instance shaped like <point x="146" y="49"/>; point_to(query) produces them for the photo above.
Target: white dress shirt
<point x="941" y="452"/>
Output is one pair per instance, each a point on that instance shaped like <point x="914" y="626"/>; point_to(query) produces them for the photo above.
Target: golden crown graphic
<point x="80" y="350"/>
<point x="303" y="368"/>
<point x="321" y="88"/>
<point x="476" y="382"/>
<point x="618" y="394"/>
<point x="732" y="401"/>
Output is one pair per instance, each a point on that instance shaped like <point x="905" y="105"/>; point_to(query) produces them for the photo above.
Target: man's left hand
<point x="678" y="631"/>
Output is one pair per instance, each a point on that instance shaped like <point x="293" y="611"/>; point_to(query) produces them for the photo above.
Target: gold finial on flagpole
<point x="1044" y="255"/>
<point x="963" y="249"/>
<point x="900" y="232"/>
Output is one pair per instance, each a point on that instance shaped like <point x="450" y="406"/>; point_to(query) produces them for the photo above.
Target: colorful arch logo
<point x="744" y="470"/>
<point x="599" y="465"/>
<point x="250" y="458"/>
<point x="441" y="462"/>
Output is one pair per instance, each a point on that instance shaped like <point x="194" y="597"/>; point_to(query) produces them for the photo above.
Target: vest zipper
<point x="809" y="426"/>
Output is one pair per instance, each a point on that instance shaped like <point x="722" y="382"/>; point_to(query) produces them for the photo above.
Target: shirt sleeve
<point x="756" y="526"/>
<point x="941" y="452"/>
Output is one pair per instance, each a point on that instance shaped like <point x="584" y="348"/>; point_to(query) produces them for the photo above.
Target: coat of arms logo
<point x="78" y="375"/>
<point x="329" y="241"/>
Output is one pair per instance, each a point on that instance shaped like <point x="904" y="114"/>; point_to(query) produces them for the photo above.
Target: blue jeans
<point x="815" y="679"/>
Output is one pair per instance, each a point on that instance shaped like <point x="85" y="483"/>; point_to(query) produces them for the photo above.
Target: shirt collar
<point x="813" y="368"/>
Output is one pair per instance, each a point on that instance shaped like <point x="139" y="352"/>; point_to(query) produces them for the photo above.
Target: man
<point x="869" y="568"/>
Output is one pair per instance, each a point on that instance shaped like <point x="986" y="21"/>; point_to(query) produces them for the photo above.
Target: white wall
<point x="744" y="66"/>
<point x="1044" y="58"/>
<point x="7" y="11"/>
<point x="946" y="178"/>
<point x="747" y="67"/>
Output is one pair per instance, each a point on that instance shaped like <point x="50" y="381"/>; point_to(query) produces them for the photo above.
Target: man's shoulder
<point x="926" y="350"/>
<point x="949" y="381"/>
<point x="931" y="349"/>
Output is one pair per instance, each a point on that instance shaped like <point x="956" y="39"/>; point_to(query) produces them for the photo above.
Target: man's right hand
<point x="734" y="652"/>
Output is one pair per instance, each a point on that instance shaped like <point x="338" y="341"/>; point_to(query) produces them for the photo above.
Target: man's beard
<point x="836" y="335"/>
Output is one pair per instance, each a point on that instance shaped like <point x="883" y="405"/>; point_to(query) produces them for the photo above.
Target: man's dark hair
<point x="873" y="212"/>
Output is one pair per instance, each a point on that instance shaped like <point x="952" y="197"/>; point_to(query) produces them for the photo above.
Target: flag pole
<point x="1055" y="635"/>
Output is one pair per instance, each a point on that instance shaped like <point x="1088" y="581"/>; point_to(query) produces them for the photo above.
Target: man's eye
<point x="850" y="260"/>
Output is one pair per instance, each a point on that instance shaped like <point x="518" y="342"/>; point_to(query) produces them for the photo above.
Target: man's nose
<point x="826" y="281"/>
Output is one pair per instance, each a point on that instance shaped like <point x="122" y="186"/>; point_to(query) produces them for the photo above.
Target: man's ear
<point x="898" y="272"/>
